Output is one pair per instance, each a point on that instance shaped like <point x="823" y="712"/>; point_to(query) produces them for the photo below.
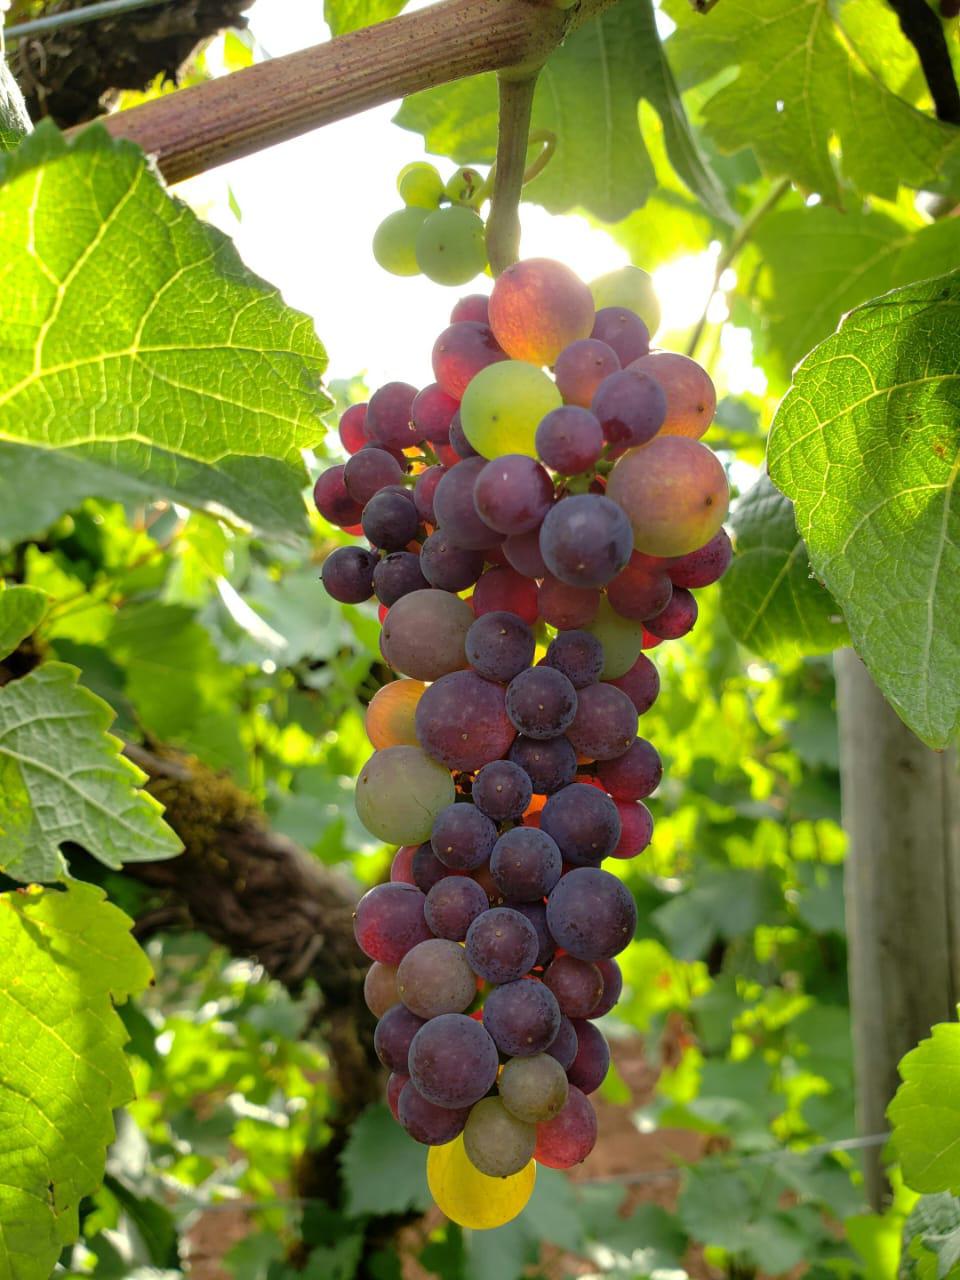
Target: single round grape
<point x="390" y="520"/>
<point x="704" y="566"/>
<point x="522" y="1017"/>
<point x="396" y="576"/>
<point x="538" y="307"/>
<point x="585" y="540"/>
<point x="582" y="367"/>
<point x="690" y="394"/>
<point x="348" y="574"/>
<point x="395" y="239"/>
<point x="641" y="684"/>
<point x="458" y="441"/>
<point x="424" y="634"/>
<point x="475" y="306"/>
<point x="549" y="765"/>
<point x="536" y="913"/>
<point x="621" y="638"/>
<point x="522" y="553"/>
<point x="420" y="185"/>
<point x="452" y="906"/>
<point x="389" y="720"/>
<point x="641" y="590"/>
<point x="499" y="646"/>
<point x="434" y="977"/>
<point x="464" y="186"/>
<point x="630" y="407"/>
<point x="462" y="350"/>
<point x="426" y="867"/>
<point x="622" y="330"/>
<point x="636" y="828"/>
<point x="502" y="790"/>
<point x="674" y="492"/>
<point x="331" y="499"/>
<point x="541" y="702"/>
<point x="394" y="1034"/>
<point x="496" y="1142"/>
<point x="579" y="655"/>
<point x="380" y="988"/>
<point x="591" y="914"/>
<point x="570" y="1136"/>
<point x="395" y="1082"/>
<point x="635" y="774"/>
<point x="585" y="824"/>
<point x="577" y="984"/>
<point x="462" y="721"/>
<point x="425" y="1121"/>
<point x="353" y="434"/>
<point x="503" y="405"/>
<point x="569" y="440"/>
<point x="369" y="471"/>
<point x="423" y="491"/>
<point x="612" y="987"/>
<point x="503" y="590"/>
<point x="463" y="837"/>
<point x="431" y="413"/>
<point x="533" y="1089"/>
<point x="399" y="793"/>
<point x="605" y="724"/>
<point x="453" y="1061"/>
<point x="451" y="246"/>
<point x="677" y="618"/>
<point x="455" y="509"/>
<point x="589" y="1068"/>
<point x="564" y="1046"/>
<point x="513" y="493"/>
<point x="448" y="567"/>
<point x="467" y="1196"/>
<point x="567" y="608"/>
<point x="502" y="945"/>
<point x="401" y="867"/>
<point x="388" y="420"/>
<point x="526" y="864"/>
<point x="631" y="289"/>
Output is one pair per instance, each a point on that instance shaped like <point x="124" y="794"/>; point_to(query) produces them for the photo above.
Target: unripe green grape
<point x="395" y="239"/>
<point x="503" y="406"/>
<point x="632" y="288"/>
<point x="533" y="1089"/>
<point x="450" y="245"/>
<point x="497" y="1143"/>
<point x="622" y="640"/>
<point x="399" y="793"/>
<point x="420" y="185"/>
<point x="464" y="186"/>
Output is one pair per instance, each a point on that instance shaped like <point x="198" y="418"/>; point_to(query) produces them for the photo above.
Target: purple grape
<point x="570" y="1136"/>
<point x="605" y="725"/>
<point x="448" y="567"/>
<point x="423" y="491"/>
<point x="641" y="590"/>
<point x="348" y="574"/>
<point x="390" y="520"/>
<point x="452" y="906"/>
<point x="631" y="408"/>
<point x="425" y="1121"/>
<point x="434" y="977"/>
<point x="641" y="684"/>
<point x="458" y="440"/>
<point x="570" y="440"/>
<point x="397" y="575"/>
<point x="612" y="986"/>
<point x="456" y="512"/>
<point x="463" y="349"/>
<point x="395" y="1083"/>
<point x="453" y="1061"/>
<point x="586" y="540"/>
<point x="677" y="618"/>
<point x="475" y="306"/>
<point x="331" y="499"/>
<point x="461" y="720"/>
<point x="369" y="471"/>
<point x="389" y="921"/>
<point x="522" y="552"/>
<point x="536" y="913"/>
<point x="431" y="413"/>
<point x="591" y="914"/>
<point x="581" y="367"/>
<point x="393" y="1036"/>
<point x="353" y="435"/>
<point x="541" y="702"/>
<point x="622" y="330"/>
<point x="704" y="566"/>
<point x="549" y="765"/>
<point x="577" y="984"/>
<point x="566" y="607"/>
<point x="388" y="419"/>
<point x="579" y="655"/>
<point x="513" y="493"/>
<point x="427" y="869"/>
<point x="500" y="645"/>
<point x="462" y="837"/>
<point x="526" y="864"/>
<point x="502" y="945"/>
<point x="584" y="822"/>
<point x="502" y="790"/>
<point x="564" y="1046"/>
<point x="635" y="774"/>
<point x="590" y="1066"/>
<point x="522" y="1017"/>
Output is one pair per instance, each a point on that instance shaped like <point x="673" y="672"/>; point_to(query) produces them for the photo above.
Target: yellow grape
<point x="420" y="185"/>
<point x="471" y="1198"/>
<point x="632" y="288"/>
<point x="503" y="405"/>
<point x="675" y="493"/>
<point x="389" y="718"/>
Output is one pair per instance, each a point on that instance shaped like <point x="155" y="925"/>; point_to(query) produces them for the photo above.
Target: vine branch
<point x="503" y="224"/>
<point x="208" y="124"/>
<point x="923" y="28"/>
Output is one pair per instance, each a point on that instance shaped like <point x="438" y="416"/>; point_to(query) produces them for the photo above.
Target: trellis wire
<point x="74" y="17"/>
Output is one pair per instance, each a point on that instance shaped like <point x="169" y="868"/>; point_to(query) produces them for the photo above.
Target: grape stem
<point x="503" y="224"/>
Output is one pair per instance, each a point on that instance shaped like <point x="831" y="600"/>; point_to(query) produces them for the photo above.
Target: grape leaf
<point x="771" y="602"/>
<point x="21" y="609"/>
<point x="737" y="1210"/>
<point x="197" y="383"/>
<point x="588" y="95"/>
<point x="384" y="1170"/>
<point x="801" y="83"/>
<point x="349" y="15"/>
<point x="66" y="958"/>
<point x="820" y="263"/>
<point x="62" y="778"/>
<point x="925" y="1113"/>
<point x="934" y="1226"/>
<point x="867" y="445"/>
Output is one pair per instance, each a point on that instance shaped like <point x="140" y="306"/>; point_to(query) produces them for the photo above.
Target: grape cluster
<point x="531" y="533"/>
<point x="438" y="232"/>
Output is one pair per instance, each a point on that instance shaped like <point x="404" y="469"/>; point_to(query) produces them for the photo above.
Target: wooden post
<point x="901" y="810"/>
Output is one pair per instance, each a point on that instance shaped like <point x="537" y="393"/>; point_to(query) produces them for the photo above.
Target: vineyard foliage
<point x="162" y="412"/>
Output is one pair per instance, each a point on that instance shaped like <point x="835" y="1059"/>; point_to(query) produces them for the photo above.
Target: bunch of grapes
<point x="438" y="232"/>
<point x="530" y="534"/>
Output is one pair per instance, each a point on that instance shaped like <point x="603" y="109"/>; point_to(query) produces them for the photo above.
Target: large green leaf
<point x="925" y="1113"/>
<point x="196" y="383"/>
<point x="867" y="445"/>
<point x="66" y="959"/>
<point x="931" y="1238"/>
<point x="800" y="85"/>
<point x="384" y="1171"/>
<point x="588" y="95"/>
<point x="349" y="15"/>
<point x="771" y="601"/>
<point x="21" y="609"/>
<point x="63" y="779"/>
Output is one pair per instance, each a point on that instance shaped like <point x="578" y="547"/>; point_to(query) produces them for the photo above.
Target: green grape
<point x="622" y="640"/>
<point x="503" y="406"/>
<point x="533" y="1089"/>
<point x="464" y="186"/>
<point x="497" y="1143"/>
<point x="399" y="793"/>
<point x="450" y="245"/>
<point x="420" y="185"/>
<point x="395" y="239"/>
<point x="632" y="288"/>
